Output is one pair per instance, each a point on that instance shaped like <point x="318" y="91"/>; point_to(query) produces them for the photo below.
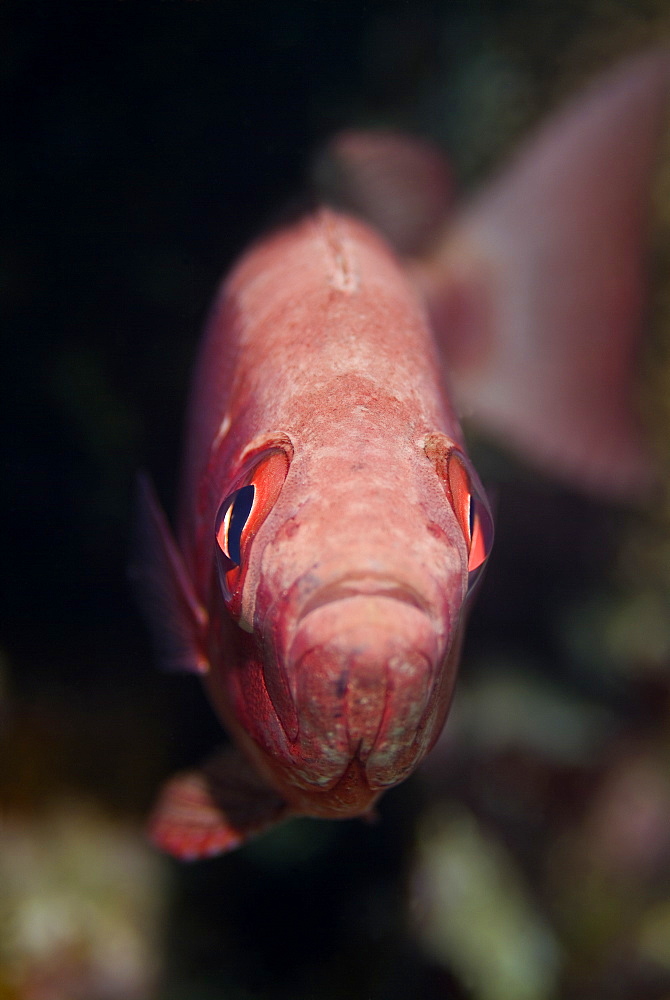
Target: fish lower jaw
<point x="349" y="796"/>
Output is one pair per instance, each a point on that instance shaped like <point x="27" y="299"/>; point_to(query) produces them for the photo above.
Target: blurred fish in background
<point x="531" y="855"/>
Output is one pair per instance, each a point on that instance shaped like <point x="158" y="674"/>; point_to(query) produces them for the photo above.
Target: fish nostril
<point x="365" y="586"/>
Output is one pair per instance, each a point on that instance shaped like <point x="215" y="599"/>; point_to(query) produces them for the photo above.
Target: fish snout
<point x="365" y="671"/>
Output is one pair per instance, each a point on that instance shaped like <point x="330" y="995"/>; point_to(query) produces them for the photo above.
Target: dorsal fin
<point x="400" y="183"/>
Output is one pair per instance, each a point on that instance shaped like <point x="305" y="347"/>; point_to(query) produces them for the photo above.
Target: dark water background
<point x="143" y="147"/>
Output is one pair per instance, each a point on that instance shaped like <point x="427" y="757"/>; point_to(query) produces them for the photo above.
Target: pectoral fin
<point x="211" y="811"/>
<point x="164" y="590"/>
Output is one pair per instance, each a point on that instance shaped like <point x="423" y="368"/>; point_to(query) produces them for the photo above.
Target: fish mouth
<point x="330" y="615"/>
<point x="363" y="668"/>
<point x="365" y="585"/>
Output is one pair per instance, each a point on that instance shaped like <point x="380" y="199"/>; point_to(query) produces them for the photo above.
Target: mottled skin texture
<point x="318" y="345"/>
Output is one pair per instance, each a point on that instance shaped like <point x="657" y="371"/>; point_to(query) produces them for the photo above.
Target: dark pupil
<point x="472" y="517"/>
<point x="239" y="515"/>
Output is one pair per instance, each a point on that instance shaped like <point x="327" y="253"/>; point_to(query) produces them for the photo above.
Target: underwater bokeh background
<point x="530" y="858"/>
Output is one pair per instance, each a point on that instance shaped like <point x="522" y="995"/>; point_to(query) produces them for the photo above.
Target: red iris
<point x="239" y="518"/>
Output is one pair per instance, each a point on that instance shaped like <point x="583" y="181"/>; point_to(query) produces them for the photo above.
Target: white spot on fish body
<point x="224" y="427"/>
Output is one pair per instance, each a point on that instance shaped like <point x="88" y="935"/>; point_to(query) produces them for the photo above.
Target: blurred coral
<point x="81" y="908"/>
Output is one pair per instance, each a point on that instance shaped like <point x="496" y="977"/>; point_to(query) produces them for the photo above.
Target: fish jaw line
<point x="368" y="585"/>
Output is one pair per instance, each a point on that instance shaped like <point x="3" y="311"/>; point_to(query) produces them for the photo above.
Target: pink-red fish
<point x="331" y="528"/>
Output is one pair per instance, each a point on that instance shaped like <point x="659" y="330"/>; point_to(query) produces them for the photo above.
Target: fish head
<point x="345" y="572"/>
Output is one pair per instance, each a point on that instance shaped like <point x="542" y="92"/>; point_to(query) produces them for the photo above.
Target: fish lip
<point x="364" y="585"/>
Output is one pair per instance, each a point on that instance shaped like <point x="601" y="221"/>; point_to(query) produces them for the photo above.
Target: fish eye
<point x="472" y="513"/>
<point x="239" y="519"/>
<point x="481" y="539"/>
<point x="232" y="520"/>
<point x="467" y="500"/>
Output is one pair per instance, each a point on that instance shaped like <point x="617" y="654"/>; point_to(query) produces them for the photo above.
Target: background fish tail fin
<point x="538" y="291"/>
<point x="163" y="588"/>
